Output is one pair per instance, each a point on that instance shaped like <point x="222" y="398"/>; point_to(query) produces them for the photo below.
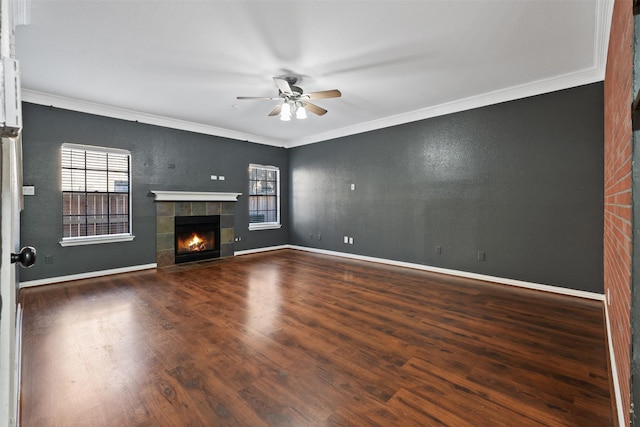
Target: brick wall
<point x="617" y="190"/>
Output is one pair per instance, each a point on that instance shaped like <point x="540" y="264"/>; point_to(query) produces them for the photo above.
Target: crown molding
<point x="72" y="104"/>
<point x="567" y="81"/>
<point x="604" y="15"/>
<point x="496" y="97"/>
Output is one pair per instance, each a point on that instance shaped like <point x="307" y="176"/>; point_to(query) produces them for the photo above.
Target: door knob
<point x="26" y="257"/>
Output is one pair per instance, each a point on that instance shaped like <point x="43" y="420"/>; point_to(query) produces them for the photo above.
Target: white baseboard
<point x="614" y="368"/>
<point x="89" y="275"/>
<point x="501" y="280"/>
<point x="18" y="363"/>
<point x="258" y="250"/>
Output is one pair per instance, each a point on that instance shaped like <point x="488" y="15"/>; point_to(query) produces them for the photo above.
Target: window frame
<point x="265" y="225"/>
<point x="102" y="238"/>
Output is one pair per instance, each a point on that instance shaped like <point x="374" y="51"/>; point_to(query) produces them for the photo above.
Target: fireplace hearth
<point x="196" y="238"/>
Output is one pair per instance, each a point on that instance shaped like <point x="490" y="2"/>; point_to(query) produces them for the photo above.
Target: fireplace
<point x="172" y="204"/>
<point x="196" y="238"/>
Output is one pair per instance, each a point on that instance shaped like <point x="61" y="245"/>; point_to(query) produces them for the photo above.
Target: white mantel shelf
<point x="194" y="196"/>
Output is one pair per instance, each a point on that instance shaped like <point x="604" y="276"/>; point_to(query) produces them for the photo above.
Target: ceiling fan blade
<point x="312" y="108"/>
<point x="283" y="85"/>
<point x="335" y="93"/>
<point x="276" y="110"/>
<point x="258" y="97"/>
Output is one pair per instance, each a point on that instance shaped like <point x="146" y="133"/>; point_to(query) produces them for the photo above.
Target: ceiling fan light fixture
<point x="285" y="113"/>
<point x="293" y="100"/>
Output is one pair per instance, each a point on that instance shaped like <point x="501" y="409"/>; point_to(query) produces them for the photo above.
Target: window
<point x="96" y="199"/>
<point x="264" y="197"/>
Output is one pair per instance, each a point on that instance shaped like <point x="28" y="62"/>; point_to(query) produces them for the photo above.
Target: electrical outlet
<point x="351" y="240"/>
<point x="346" y="239"/>
<point x="438" y="250"/>
<point x="221" y="177"/>
<point x="214" y="177"/>
<point x="481" y="256"/>
<point x="319" y="236"/>
<point x="353" y="187"/>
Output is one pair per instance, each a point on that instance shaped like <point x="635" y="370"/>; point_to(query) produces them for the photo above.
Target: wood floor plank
<point x="289" y="338"/>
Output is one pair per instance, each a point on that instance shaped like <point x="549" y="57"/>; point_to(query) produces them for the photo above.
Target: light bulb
<point x="301" y="113"/>
<point x="285" y="112"/>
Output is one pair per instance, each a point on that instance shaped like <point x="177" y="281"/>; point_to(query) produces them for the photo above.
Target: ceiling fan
<point x="295" y="103"/>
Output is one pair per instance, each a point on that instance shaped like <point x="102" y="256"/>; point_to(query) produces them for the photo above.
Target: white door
<point x="10" y="231"/>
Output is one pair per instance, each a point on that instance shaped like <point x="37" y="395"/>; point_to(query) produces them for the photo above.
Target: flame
<point x="195" y="244"/>
<point x="195" y="240"/>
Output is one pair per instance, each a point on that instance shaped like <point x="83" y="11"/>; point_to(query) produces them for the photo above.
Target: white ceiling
<point x="182" y="63"/>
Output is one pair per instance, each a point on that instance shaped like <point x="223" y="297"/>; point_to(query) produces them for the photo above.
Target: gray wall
<point x="521" y="181"/>
<point x="153" y="150"/>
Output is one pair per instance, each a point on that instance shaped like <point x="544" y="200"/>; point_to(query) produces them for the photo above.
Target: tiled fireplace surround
<point x="166" y="211"/>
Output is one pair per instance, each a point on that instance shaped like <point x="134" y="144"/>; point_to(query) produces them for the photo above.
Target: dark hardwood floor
<point x="289" y="338"/>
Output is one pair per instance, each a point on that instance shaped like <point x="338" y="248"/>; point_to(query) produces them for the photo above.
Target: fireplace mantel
<point x="194" y="196"/>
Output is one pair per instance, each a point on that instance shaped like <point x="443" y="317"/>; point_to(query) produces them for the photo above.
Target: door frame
<point x="10" y="322"/>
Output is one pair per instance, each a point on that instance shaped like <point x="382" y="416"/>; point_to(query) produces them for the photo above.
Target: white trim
<point x="95" y="240"/>
<point x="268" y="167"/>
<point x="476" y="276"/>
<point x="264" y="226"/>
<point x="10" y="170"/>
<point x="95" y="149"/>
<point x="67" y="147"/>
<point x="88" y="275"/>
<point x="614" y="368"/>
<point x="604" y="16"/>
<point x="65" y="103"/>
<point x="483" y="277"/>
<point x="580" y="78"/>
<point x="194" y="196"/>
<point x="18" y="362"/>
<point x="265" y="249"/>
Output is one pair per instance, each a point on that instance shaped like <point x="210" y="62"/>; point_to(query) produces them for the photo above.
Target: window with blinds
<point x="264" y="196"/>
<point x="96" y="194"/>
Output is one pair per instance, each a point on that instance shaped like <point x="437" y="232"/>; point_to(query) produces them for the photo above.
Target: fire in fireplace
<point x="197" y="238"/>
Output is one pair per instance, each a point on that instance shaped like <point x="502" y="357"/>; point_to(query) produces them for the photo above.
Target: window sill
<point x="80" y="241"/>
<point x="264" y="226"/>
